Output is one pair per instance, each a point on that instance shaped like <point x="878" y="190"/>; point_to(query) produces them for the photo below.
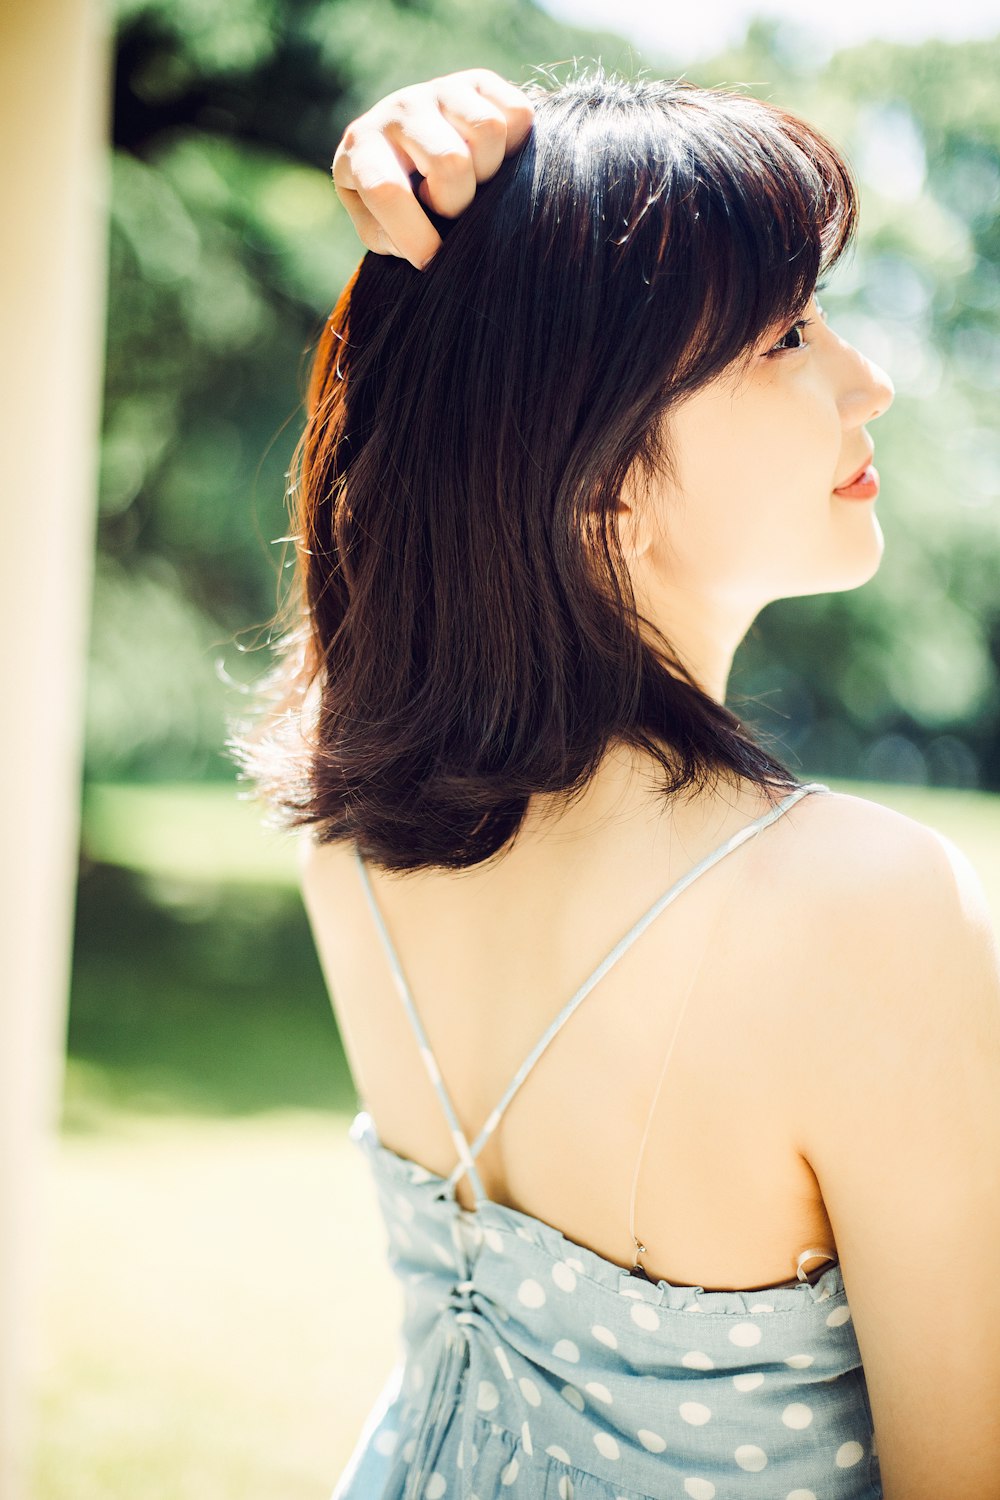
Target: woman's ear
<point x="633" y="517"/>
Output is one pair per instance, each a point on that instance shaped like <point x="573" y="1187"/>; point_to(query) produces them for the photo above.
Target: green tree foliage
<point x="228" y="246"/>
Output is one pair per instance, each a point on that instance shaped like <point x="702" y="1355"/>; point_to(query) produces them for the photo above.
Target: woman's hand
<point x="454" y="131"/>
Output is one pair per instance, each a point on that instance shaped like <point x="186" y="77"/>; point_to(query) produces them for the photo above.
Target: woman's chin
<point x="847" y="566"/>
<point x="870" y="558"/>
<point x="860" y="556"/>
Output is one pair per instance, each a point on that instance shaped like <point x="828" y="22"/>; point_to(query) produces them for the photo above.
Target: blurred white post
<point x="53" y="189"/>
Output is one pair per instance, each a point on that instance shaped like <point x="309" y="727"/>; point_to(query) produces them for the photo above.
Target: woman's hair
<point x="461" y="629"/>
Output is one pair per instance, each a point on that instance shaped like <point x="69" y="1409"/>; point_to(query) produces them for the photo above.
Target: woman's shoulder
<point x="869" y="903"/>
<point x="850" y="849"/>
<point x="891" y="917"/>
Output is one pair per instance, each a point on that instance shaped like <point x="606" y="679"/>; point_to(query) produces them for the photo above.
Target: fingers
<point x="481" y="124"/>
<point x="515" y="106"/>
<point x="454" y="131"/>
<point x="440" y="154"/>
<point x="374" y="186"/>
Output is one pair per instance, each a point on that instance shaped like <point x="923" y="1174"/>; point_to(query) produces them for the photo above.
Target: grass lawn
<point x="217" y="1316"/>
<point x="218" y="1319"/>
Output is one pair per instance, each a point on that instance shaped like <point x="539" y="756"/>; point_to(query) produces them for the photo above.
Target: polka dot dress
<point x="536" y="1369"/>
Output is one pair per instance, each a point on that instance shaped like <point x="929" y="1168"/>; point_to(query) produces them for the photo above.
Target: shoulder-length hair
<point x="456" y="642"/>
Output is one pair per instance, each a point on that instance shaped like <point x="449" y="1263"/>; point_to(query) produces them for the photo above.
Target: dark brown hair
<point x="455" y="641"/>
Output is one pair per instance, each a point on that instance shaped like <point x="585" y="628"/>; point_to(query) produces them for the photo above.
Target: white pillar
<point x="54" y="69"/>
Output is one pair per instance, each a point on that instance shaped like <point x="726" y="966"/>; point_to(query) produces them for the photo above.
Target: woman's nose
<point x="868" y="392"/>
<point x="882" y="389"/>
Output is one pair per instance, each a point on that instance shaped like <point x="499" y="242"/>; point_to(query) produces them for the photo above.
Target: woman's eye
<point x="794" y="333"/>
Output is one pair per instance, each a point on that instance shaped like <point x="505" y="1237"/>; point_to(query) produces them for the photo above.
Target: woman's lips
<point x="865" y="487"/>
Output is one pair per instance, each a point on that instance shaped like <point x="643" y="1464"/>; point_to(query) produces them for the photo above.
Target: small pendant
<point x="637" y="1270"/>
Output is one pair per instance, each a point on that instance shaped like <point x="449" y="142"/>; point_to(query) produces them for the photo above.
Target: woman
<point x="546" y="484"/>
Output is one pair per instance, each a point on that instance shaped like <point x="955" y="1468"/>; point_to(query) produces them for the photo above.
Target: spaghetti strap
<point x="623" y="945"/>
<point x="465" y="1156"/>
<point x="467" y="1153"/>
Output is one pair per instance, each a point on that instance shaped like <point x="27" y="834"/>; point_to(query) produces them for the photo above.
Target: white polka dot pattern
<point x="596" y="1349"/>
<point x="531" y="1293"/>
<point x="750" y="1457"/>
<point x="598" y="1391"/>
<point x="699" y="1489"/>
<point x="564" y="1276"/>
<point x="487" y="1397"/>
<point x="797" y="1415"/>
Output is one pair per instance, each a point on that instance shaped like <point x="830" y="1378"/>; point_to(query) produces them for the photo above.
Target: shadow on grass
<point x="190" y="997"/>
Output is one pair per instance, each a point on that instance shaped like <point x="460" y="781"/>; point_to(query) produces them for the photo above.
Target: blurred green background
<point x="219" y="1319"/>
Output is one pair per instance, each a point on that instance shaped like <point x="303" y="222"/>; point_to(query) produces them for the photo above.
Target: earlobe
<point x="633" y="529"/>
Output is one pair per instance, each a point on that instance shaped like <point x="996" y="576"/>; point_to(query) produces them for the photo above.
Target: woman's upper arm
<point x="900" y="1121"/>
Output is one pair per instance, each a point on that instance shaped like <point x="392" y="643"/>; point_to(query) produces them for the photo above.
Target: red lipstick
<point x="863" y="485"/>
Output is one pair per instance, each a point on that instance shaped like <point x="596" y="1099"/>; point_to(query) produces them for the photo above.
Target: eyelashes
<point x="797" y="327"/>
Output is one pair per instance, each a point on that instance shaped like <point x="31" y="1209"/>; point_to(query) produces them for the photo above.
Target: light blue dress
<point x="533" y="1367"/>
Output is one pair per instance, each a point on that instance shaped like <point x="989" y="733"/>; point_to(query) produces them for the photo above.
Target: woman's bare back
<point x="725" y="1198"/>
<point x="835" y="1068"/>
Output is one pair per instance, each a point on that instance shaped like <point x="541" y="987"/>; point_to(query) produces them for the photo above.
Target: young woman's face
<point x="754" y="515"/>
